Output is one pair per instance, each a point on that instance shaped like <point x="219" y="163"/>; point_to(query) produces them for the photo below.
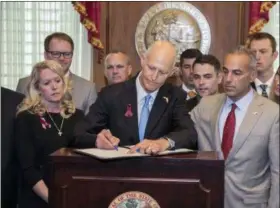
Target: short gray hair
<point x="128" y="62"/>
<point x="241" y="49"/>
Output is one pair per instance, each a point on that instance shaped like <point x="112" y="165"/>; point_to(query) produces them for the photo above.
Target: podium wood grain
<point x="190" y="180"/>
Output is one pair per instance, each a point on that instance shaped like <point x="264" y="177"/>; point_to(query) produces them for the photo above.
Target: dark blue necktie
<point x="263" y="87"/>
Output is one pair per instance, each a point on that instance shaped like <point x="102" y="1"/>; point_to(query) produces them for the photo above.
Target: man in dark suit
<point x="187" y="59"/>
<point x="9" y="177"/>
<point x="144" y="111"/>
<point x="207" y="76"/>
<point x="264" y="47"/>
<point x="117" y="67"/>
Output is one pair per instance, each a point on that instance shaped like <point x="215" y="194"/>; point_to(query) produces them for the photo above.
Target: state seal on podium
<point x="134" y="199"/>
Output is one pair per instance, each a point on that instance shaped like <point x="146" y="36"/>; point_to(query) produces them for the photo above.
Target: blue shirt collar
<point x="242" y="103"/>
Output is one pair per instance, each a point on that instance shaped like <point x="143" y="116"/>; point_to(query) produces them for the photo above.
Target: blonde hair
<point x="272" y="95"/>
<point x="33" y="100"/>
<point x="127" y="59"/>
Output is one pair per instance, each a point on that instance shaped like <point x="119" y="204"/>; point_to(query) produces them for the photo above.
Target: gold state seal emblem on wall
<point x="178" y="22"/>
<point x="134" y="199"/>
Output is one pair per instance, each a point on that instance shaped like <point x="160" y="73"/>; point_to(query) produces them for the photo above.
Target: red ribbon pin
<point x="128" y="112"/>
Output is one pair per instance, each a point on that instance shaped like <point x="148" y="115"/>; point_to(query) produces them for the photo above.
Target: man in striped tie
<point x="264" y="47"/>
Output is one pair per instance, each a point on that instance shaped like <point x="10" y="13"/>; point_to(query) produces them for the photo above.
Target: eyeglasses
<point x="57" y="54"/>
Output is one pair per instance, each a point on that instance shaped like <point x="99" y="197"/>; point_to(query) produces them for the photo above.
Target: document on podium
<point x="122" y="152"/>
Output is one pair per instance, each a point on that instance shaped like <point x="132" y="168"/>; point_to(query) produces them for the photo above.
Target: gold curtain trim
<point x="258" y="25"/>
<point x="266" y="6"/>
<point x="80" y="8"/>
<point x="97" y="42"/>
<point x="88" y="24"/>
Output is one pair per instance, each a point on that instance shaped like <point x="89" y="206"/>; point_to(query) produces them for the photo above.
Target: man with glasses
<point x="60" y="47"/>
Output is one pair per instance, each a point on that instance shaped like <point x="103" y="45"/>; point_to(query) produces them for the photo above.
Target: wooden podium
<point x="194" y="180"/>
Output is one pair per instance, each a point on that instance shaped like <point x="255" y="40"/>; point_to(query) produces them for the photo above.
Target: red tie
<point x="228" y="133"/>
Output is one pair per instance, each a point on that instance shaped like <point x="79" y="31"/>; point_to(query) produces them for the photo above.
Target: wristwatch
<point x="170" y="142"/>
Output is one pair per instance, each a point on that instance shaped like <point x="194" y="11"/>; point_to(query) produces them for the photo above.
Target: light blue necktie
<point x="144" y="117"/>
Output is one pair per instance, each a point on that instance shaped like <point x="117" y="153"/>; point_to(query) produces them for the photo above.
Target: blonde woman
<point x="45" y="121"/>
<point x="275" y="91"/>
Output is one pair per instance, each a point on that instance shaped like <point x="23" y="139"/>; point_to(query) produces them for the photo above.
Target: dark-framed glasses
<point x="57" y="54"/>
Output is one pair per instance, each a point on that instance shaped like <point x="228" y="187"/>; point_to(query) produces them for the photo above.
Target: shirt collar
<point x="185" y="88"/>
<point x="141" y="92"/>
<point x="268" y="83"/>
<point x="242" y="103"/>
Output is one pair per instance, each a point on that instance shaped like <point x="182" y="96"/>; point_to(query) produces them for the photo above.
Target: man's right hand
<point x="105" y="140"/>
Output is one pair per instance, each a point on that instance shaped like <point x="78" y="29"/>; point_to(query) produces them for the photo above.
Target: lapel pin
<point x="255" y="113"/>
<point x="191" y="94"/>
<point x="166" y="99"/>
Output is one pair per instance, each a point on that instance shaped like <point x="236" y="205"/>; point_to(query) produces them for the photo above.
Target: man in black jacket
<point x="144" y="111"/>
<point x="9" y="177"/>
<point x="187" y="59"/>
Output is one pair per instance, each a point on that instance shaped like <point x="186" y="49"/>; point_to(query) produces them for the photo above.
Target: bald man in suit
<point x="244" y="128"/>
<point x="145" y="111"/>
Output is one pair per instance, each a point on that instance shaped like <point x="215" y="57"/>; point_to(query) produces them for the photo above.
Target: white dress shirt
<point x="240" y="111"/>
<point x="186" y="89"/>
<point x="141" y="94"/>
<point x="268" y="83"/>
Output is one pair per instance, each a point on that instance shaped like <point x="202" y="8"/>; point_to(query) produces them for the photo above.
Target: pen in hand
<point x="110" y="140"/>
<point x="115" y="147"/>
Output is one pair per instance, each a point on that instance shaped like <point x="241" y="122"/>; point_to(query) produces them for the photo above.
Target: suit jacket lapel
<point x="215" y="124"/>
<point x="161" y="102"/>
<point x="250" y="119"/>
<point x="181" y="86"/>
<point x="129" y="98"/>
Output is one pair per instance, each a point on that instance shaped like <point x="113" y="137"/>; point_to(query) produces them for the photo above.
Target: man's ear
<point x="220" y="77"/>
<point x="253" y="75"/>
<point x="142" y="59"/>
<point x="129" y="70"/>
<point x="275" y="55"/>
<point x="175" y="71"/>
<point x="46" y="55"/>
<point x="105" y="73"/>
